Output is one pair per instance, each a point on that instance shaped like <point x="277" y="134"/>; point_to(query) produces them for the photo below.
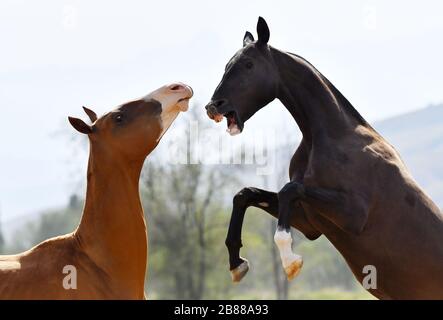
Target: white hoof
<point x="238" y="273"/>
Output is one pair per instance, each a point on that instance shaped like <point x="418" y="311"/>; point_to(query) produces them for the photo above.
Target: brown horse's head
<point x="133" y="129"/>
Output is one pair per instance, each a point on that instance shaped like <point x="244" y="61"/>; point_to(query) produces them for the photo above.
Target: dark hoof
<point x="239" y="272"/>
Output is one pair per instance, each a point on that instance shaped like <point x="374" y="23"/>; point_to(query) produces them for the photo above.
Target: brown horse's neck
<point x="315" y="104"/>
<point x="112" y="229"/>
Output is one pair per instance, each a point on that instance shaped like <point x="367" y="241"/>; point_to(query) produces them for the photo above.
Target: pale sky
<point x="384" y="56"/>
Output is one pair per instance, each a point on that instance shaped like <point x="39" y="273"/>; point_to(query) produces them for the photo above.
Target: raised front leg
<point x="349" y="212"/>
<point x="247" y="197"/>
<point x="267" y="201"/>
<point x="287" y="196"/>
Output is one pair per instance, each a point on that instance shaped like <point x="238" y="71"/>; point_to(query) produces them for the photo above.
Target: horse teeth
<point x="218" y="118"/>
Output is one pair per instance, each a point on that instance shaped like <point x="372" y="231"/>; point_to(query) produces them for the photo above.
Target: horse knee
<point x="243" y="197"/>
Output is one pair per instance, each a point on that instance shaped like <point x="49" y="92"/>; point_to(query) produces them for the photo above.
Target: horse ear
<point x="80" y="125"/>
<point x="91" y="114"/>
<point x="247" y="39"/>
<point x="262" y="31"/>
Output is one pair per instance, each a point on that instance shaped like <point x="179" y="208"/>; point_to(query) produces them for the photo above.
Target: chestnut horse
<point x="106" y="256"/>
<point x="346" y="181"/>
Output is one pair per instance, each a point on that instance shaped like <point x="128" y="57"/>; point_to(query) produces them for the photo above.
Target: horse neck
<point x="317" y="107"/>
<point x="113" y="229"/>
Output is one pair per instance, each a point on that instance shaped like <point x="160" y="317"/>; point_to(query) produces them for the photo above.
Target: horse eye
<point x="249" y="64"/>
<point x="119" y="118"/>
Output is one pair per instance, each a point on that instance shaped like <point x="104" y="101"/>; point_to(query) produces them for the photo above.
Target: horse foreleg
<point x="291" y="262"/>
<point x="349" y="212"/>
<point x="247" y="197"/>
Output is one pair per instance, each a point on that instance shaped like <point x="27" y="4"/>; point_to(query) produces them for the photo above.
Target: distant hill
<point x="418" y="136"/>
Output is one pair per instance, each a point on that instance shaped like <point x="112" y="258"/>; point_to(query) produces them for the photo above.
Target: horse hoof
<point x="238" y="273"/>
<point x="294" y="268"/>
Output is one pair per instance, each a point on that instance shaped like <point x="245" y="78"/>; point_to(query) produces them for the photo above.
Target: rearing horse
<point x="346" y="181"/>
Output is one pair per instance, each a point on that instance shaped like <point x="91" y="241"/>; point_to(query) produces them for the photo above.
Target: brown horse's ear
<point x="80" y="125"/>
<point x="91" y="114"/>
<point x="262" y="31"/>
<point x="247" y="39"/>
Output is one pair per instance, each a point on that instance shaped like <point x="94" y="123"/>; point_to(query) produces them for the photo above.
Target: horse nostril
<point x="219" y="103"/>
<point x="214" y="104"/>
<point x="176" y="87"/>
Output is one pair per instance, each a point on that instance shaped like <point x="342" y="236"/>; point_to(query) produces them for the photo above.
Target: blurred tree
<point x="182" y="205"/>
<point x="182" y="216"/>
<point x="51" y="223"/>
<point x="323" y="267"/>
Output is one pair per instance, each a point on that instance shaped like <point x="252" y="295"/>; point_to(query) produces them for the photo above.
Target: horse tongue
<point x="233" y="129"/>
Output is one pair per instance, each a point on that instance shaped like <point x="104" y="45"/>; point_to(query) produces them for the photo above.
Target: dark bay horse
<point x="346" y="181"/>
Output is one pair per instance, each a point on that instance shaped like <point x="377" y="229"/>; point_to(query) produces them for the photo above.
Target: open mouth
<point x="184" y="99"/>
<point x="183" y="104"/>
<point x="233" y="122"/>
